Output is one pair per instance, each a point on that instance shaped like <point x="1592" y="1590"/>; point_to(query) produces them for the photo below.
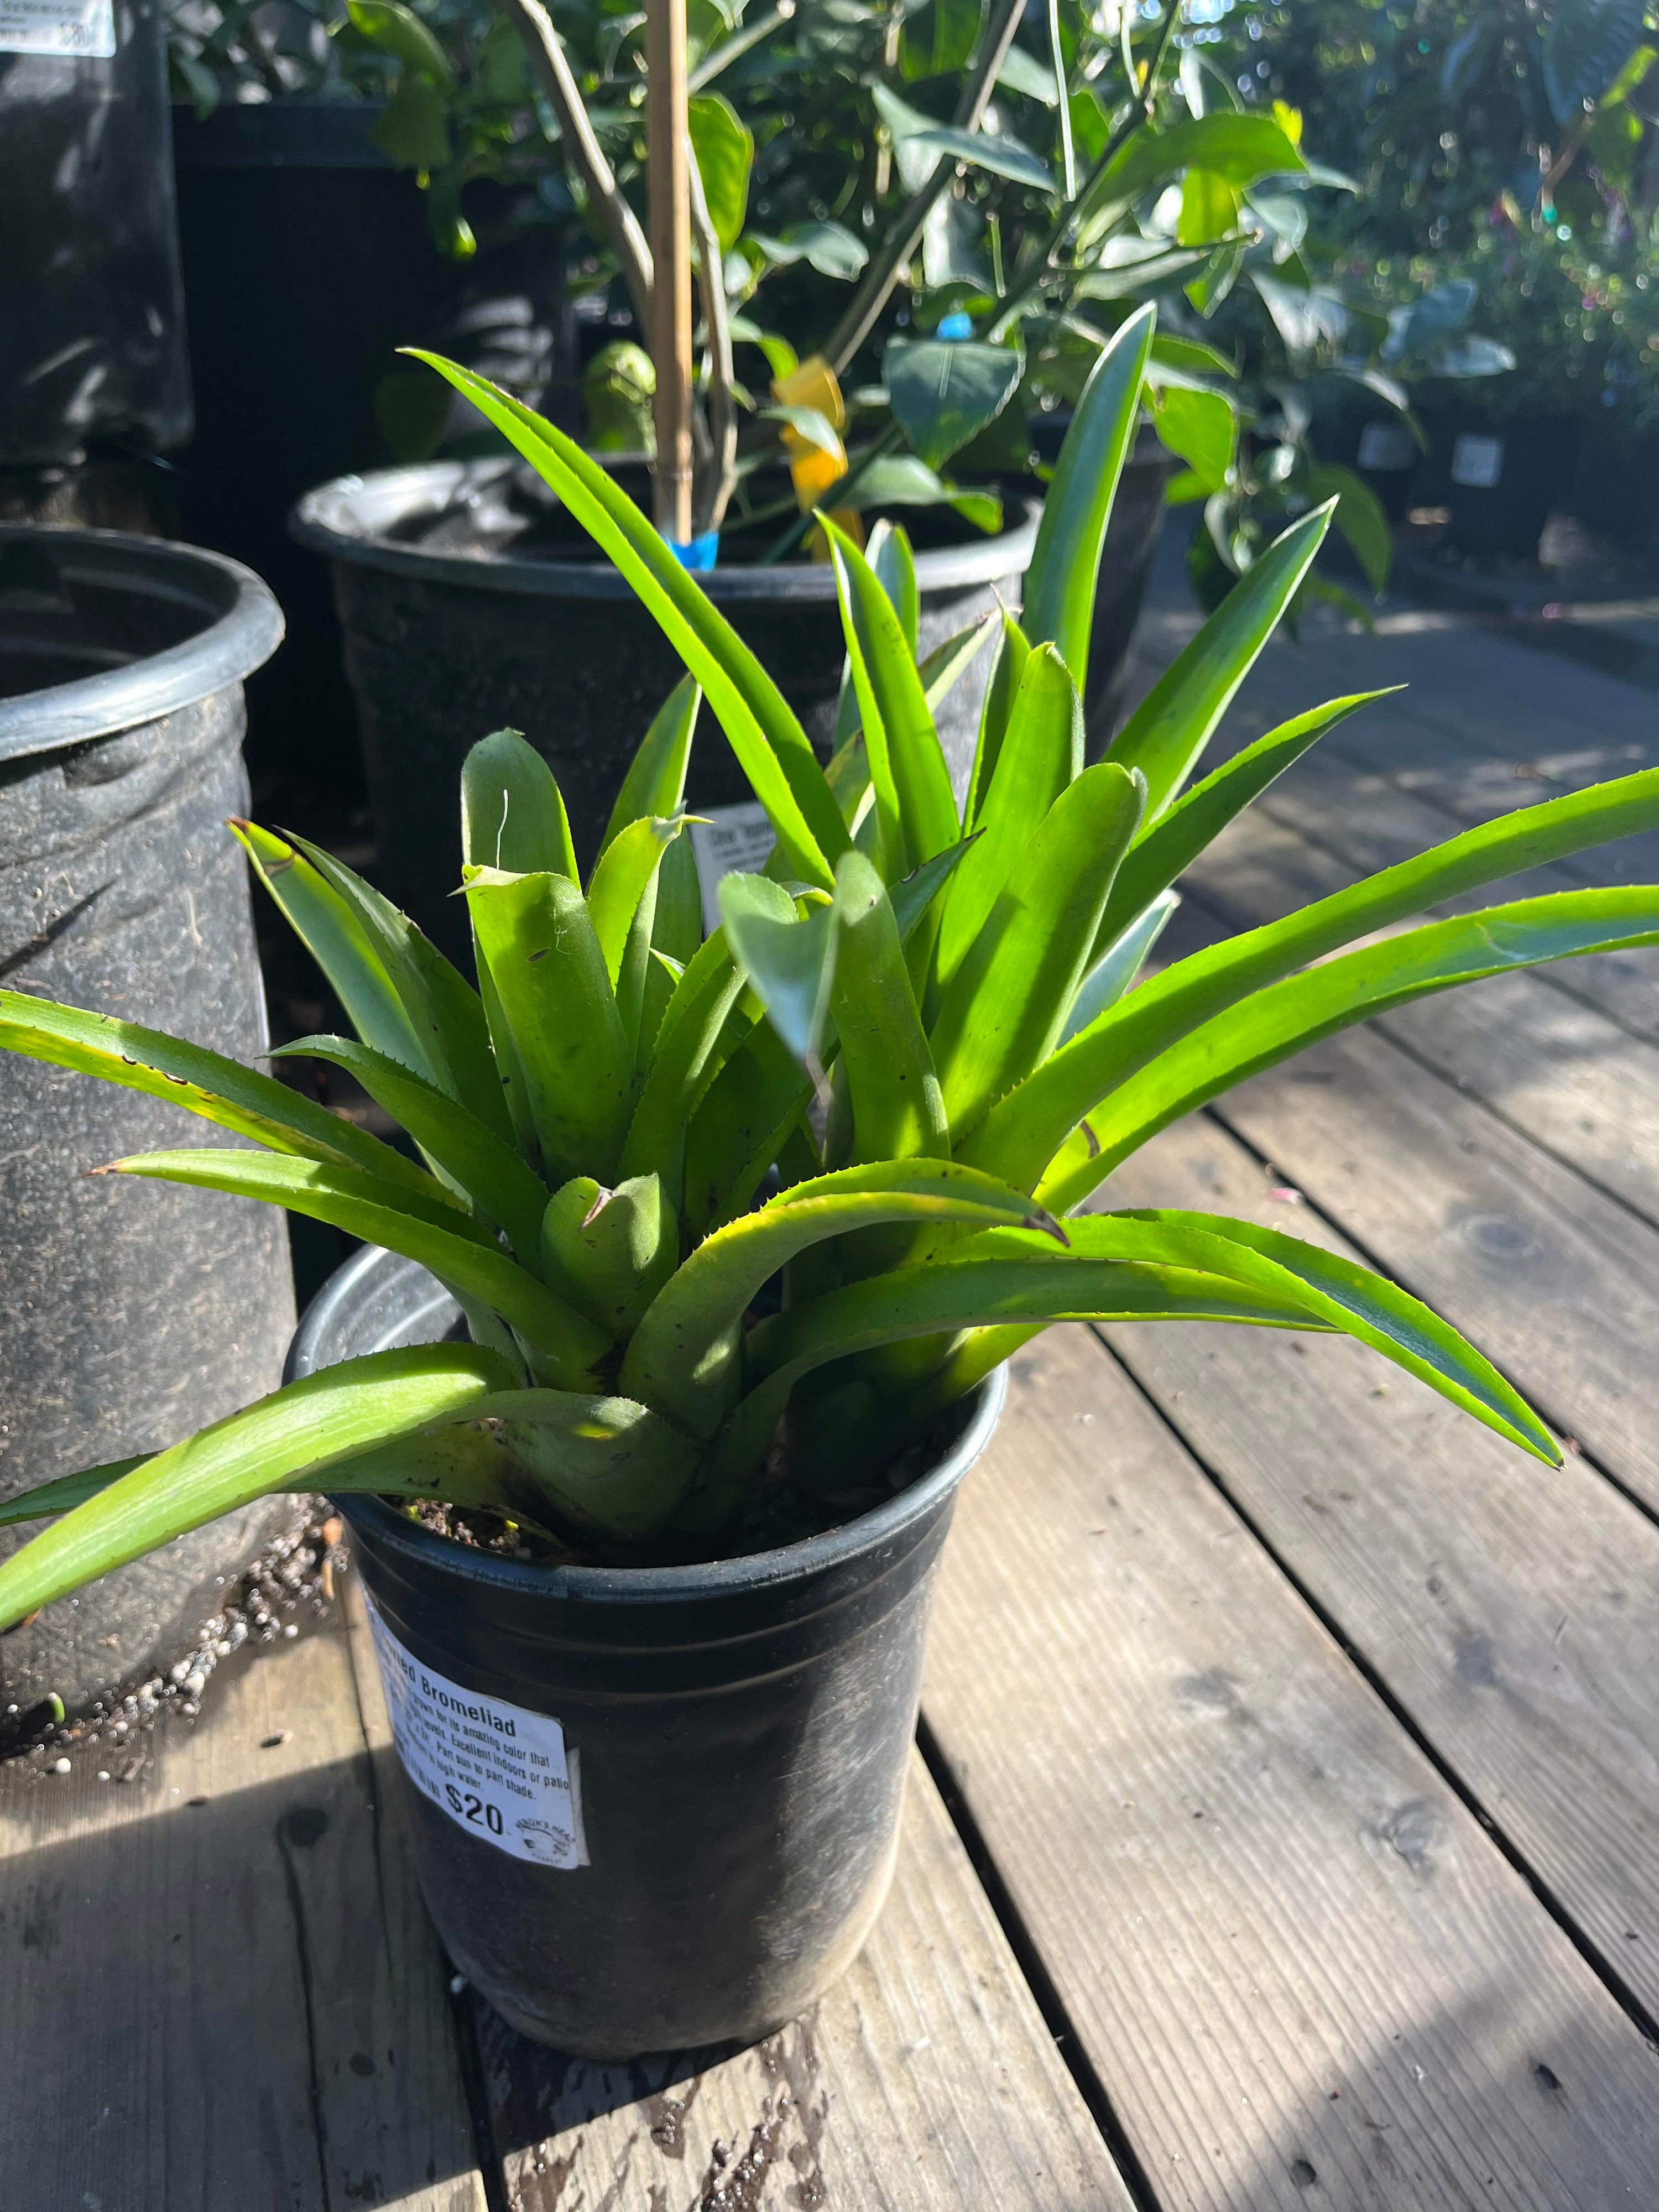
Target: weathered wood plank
<point x="925" y="2079"/>
<point x="221" y="1991"/>
<point x="1566" y="1074"/>
<point x="1481" y="730"/>
<point x="1485" y="724"/>
<point x="1460" y="671"/>
<point x="1371" y="823"/>
<point x="1513" y="1613"/>
<point x="1557" y="1282"/>
<point x="1482" y="779"/>
<point x="1465" y="681"/>
<point x="1301" y="1971"/>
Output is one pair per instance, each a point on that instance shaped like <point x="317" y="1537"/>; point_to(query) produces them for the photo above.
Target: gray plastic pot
<point x="735" y="1737"/>
<point x="133" y="1313"/>
<point x="451" y="638"/>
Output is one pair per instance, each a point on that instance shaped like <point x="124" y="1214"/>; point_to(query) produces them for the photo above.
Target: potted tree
<point x="649" y="1550"/>
<point x="853" y="355"/>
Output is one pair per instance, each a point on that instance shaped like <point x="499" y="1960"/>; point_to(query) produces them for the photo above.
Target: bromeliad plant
<point x="919" y="1019"/>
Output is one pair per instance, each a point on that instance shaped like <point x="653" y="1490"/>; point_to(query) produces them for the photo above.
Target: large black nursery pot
<point x="1377" y="444"/>
<point x="466" y="609"/>
<point x="1615" y="484"/>
<point x="1499" y="477"/>
<point x="307" y="263"/>
<point x="131" y="1314"/>
<point x="654" y="1808"/>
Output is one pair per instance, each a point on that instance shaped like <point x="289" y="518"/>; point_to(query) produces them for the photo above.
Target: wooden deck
<point x="1284" y="1830"/>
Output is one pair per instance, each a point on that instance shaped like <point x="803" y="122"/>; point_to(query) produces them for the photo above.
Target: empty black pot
<point x="654" y="1808"/>
<point x="130" y="1314"/>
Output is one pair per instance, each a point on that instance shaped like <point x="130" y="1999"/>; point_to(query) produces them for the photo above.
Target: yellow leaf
<point x="811" y="469"/>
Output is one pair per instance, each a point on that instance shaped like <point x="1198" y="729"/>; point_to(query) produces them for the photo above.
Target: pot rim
<point x="241" y="627"/>
<point x="425" y="1551"/>
<point x="341" y="519"/>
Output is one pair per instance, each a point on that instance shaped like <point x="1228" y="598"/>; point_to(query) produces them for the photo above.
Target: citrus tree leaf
<point x="1201" y="428"/>
<point x="1360" y="519"/>
<point x="1586" y="44"/>
<point x="724" y="151"/>
<point x="943" y="393"/>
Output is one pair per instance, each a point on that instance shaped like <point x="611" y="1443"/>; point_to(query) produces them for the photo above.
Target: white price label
<point x="1385" y="445"/>
<point x="498" y="1771"/>
<point x="733" y="840"/>
<point x="1477" y="463"/>
<point x="83" y="29"/>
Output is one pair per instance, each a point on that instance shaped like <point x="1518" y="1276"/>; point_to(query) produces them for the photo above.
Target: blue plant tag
<point x="956" y="324"/>
<point x="700" y="553"/>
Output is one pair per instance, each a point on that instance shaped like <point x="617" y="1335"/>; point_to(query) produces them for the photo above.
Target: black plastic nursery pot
<point x="654" y="1808"/>
<point x="1615" y="484"/>
<point x="1499" y="479"/>
<point x="1383" y="453"/>
<point x="133" y="1314"/>
<point x="307" y="263"/>
<point x="453" y="629"/>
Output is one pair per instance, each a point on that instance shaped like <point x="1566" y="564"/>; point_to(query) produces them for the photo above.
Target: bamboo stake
<point x="669" y="212"/>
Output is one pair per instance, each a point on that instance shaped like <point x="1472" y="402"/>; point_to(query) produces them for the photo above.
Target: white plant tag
<point x="1477" y="463"/>
<point x="499" y="1771"/>
<point x="731" y="841"/>
<point x="77" y="29"/>
<point x="1385" y="445"/>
